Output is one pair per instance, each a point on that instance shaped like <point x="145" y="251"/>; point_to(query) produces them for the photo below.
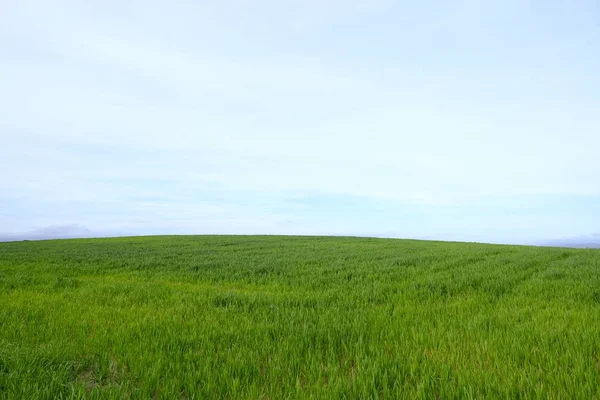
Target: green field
<point x="251" y="317"/>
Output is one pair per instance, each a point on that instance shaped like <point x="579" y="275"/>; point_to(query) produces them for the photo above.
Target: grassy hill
<point x="297" y="317"/>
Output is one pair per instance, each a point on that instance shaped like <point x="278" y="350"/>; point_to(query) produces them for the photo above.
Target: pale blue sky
<point x="460" y="120"/>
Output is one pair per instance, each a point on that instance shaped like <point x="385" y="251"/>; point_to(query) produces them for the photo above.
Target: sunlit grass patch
<point x="296" y="317"/>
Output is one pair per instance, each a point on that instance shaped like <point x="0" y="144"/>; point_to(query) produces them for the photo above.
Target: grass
<point x="252" y="317"/>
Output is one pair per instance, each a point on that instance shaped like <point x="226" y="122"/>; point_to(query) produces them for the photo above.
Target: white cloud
<point x="207" y="95"/>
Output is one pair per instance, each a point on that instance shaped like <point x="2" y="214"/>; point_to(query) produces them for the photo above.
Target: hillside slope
<point x="297" y="317"/>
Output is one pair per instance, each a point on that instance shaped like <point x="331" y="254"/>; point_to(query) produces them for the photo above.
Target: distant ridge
<point x="71" y="231"/>
<point x="582" y="242"/>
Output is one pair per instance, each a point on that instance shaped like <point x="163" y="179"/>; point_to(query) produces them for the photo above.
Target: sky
<point x="454" y="120"/>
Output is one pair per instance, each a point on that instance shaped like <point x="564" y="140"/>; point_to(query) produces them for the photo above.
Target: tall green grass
<point x="296" y="317"/>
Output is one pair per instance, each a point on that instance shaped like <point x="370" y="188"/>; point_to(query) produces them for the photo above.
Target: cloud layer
<point x="468" y="121"/>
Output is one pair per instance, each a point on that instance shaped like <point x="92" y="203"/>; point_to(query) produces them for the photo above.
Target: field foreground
<point x="250" y="317"/>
